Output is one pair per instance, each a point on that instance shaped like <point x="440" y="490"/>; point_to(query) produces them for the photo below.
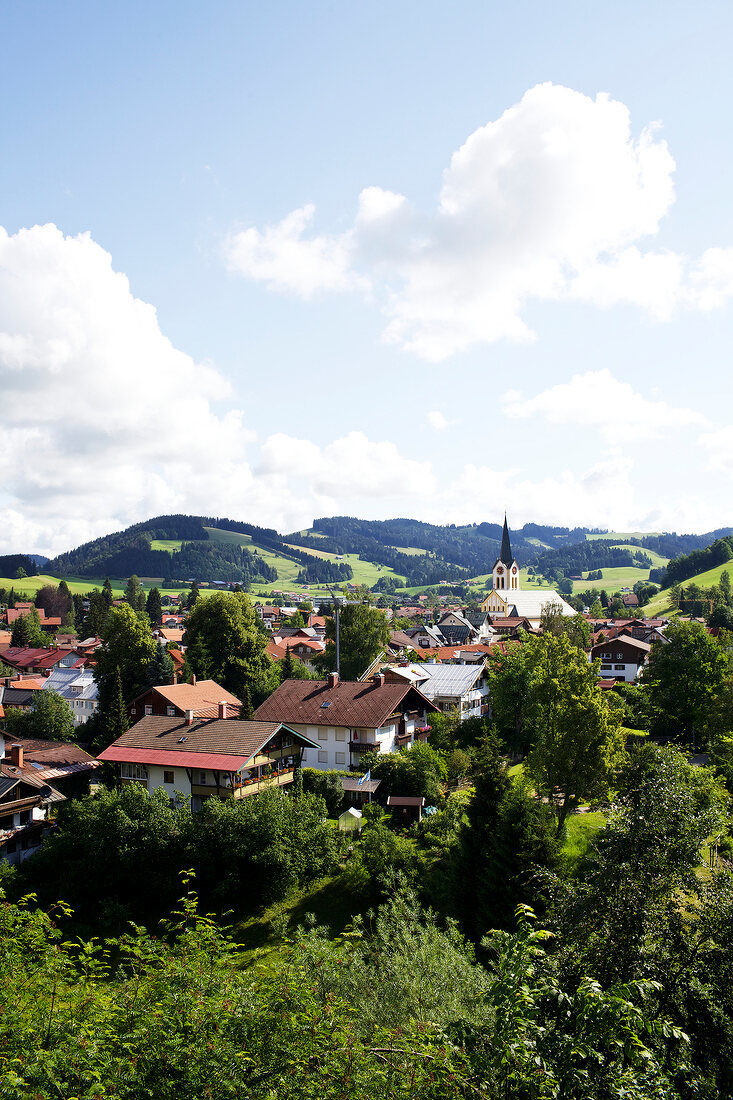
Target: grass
<point x="579" y="832"/>
<point x="623" y="535"/>
<point x="262" y="936"/>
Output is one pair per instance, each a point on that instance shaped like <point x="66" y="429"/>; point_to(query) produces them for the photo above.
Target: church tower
<point x="505" y="574"/>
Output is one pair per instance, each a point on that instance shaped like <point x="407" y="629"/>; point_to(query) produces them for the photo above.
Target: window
<point x="340" y="735"/>
<point x="202" y="778"/>
<point x="322" y="734"/>
<point x="148" y="708"/>
<point x="168" y="777"/>
<point x="322" y="756"/>
<point x="340" y="757"/>
<point x="619" y="656"/>
<point x="620" y="668"/>
<point x="170" y="711"/>
<point x="134" y="771"/>
<point x="605" y="668"/>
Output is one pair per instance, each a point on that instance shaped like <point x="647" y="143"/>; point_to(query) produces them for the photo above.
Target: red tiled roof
<point x="350" y="703"/>
<point x="222" y="762"/>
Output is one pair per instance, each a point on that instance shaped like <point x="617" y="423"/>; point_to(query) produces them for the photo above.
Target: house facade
<point x="346" y="718"/>
<point x="208" y="758"/>
<point x="621" y="658"/>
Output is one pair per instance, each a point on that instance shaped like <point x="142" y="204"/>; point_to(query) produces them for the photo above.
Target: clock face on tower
<point x="514" y="569"/>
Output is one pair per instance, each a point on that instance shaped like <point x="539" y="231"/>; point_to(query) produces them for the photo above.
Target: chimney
<point x="379" y="679"/>
<point x="16" y="755"/>
<point x="222" y="710"/>
<point x="193" y="680"/>
<point x="333" y="679"/>
<point x="189" y="717"/>
<point x="175" y="678"/>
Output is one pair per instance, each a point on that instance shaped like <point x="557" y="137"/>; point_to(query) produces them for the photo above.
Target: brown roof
<point x="349" y="703"/>
<point x="59" y="758"/>
<point x="201" y="696"/>
<point x="220" y="736"/>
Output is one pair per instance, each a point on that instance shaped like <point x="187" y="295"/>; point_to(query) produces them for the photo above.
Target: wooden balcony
<point x="364" y="746"/>
<point x="254" y="786"/>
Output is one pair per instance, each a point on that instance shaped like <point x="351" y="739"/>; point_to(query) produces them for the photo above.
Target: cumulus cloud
<point x="105" y="422"/>
<point x="548" y="202"/>
<point x="283" y="259"/>
<point x="597" y="399"/>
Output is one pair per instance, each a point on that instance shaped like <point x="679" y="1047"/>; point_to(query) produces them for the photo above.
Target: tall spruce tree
<point x="154" y="606"/>
<point x="116" y="721"/>
<point x="160" y="667"/>
<point x="286" y="665"/>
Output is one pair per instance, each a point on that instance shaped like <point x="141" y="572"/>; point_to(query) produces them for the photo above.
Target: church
<point x="507" y="600"/>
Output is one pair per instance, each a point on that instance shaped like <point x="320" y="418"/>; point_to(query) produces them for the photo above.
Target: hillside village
<point x="196" y="739"/>
<point x="143" y="732"/>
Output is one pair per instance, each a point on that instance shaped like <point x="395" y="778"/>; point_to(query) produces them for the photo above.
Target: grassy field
<point x="365" y="572"/>
<point x="661" y="604"/>
<point x="623" y="535"/>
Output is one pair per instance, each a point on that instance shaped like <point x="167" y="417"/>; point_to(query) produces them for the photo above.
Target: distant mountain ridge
<point x="447" y="553"/>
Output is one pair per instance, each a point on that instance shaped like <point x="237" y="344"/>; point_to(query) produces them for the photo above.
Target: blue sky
<point x="287" y="260"/>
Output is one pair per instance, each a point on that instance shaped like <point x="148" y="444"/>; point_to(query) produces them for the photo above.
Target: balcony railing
<point x="364" y="746"/>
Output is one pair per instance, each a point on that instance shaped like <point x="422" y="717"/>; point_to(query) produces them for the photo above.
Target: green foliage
<point x="117" y="854"/>
<point x="225" y="645"/>
<point x="403" y="1012"/>
<point x="578" y="742"/>
<point x="49" y="718"/>
<point x="418" y="771"/>
<point x="128" y="646"/>
<point x="134" y="594"/>
<point x="160" y="668"/>
<point x="26" y="631"/>
<point x="154" y="606"/>
<point x="684" y="678"/>
<point x="326" y="785"/>
<point x="363" y="634"/>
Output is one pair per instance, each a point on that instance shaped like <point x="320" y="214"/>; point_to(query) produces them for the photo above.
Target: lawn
<point x="579" y="832"/>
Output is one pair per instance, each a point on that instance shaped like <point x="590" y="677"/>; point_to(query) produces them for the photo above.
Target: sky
<point x="281" y="261"/>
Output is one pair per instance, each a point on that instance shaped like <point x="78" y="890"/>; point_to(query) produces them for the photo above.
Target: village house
<point x="203" y="698"/>
<point x="346" y="718"/>
<point x="463" y="687"/>
<point x="218" y="757"/>
<point x="79" y="688"/>
<point x="621" y="658"/>
<point x="25" y="799"/>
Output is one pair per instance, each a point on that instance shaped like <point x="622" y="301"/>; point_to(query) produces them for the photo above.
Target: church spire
<point x="506" y="547"/>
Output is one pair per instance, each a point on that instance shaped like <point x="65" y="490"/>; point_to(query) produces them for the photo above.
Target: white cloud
<point x="597" y="399"/>
<point x="106" y="423"/>
<point x="439" y="421"/>
<point x="548" y="202"/>
<point x="284" y="260"/>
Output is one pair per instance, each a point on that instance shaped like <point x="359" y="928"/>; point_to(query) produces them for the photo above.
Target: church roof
<point x="529" y="604"/>
<point x="505" y="555"/>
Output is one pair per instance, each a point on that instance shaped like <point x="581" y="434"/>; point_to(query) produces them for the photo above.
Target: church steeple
<point x="505" y="573"/>
<point x="506" y="547"/>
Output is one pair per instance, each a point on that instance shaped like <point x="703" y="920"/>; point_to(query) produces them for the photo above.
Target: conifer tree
<point x="286" y="665"/>
<point x="160" y="667"/>
<point x="154" y="606"/>
<point x="116" y="721"/>
<point x="107" y="592"/>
